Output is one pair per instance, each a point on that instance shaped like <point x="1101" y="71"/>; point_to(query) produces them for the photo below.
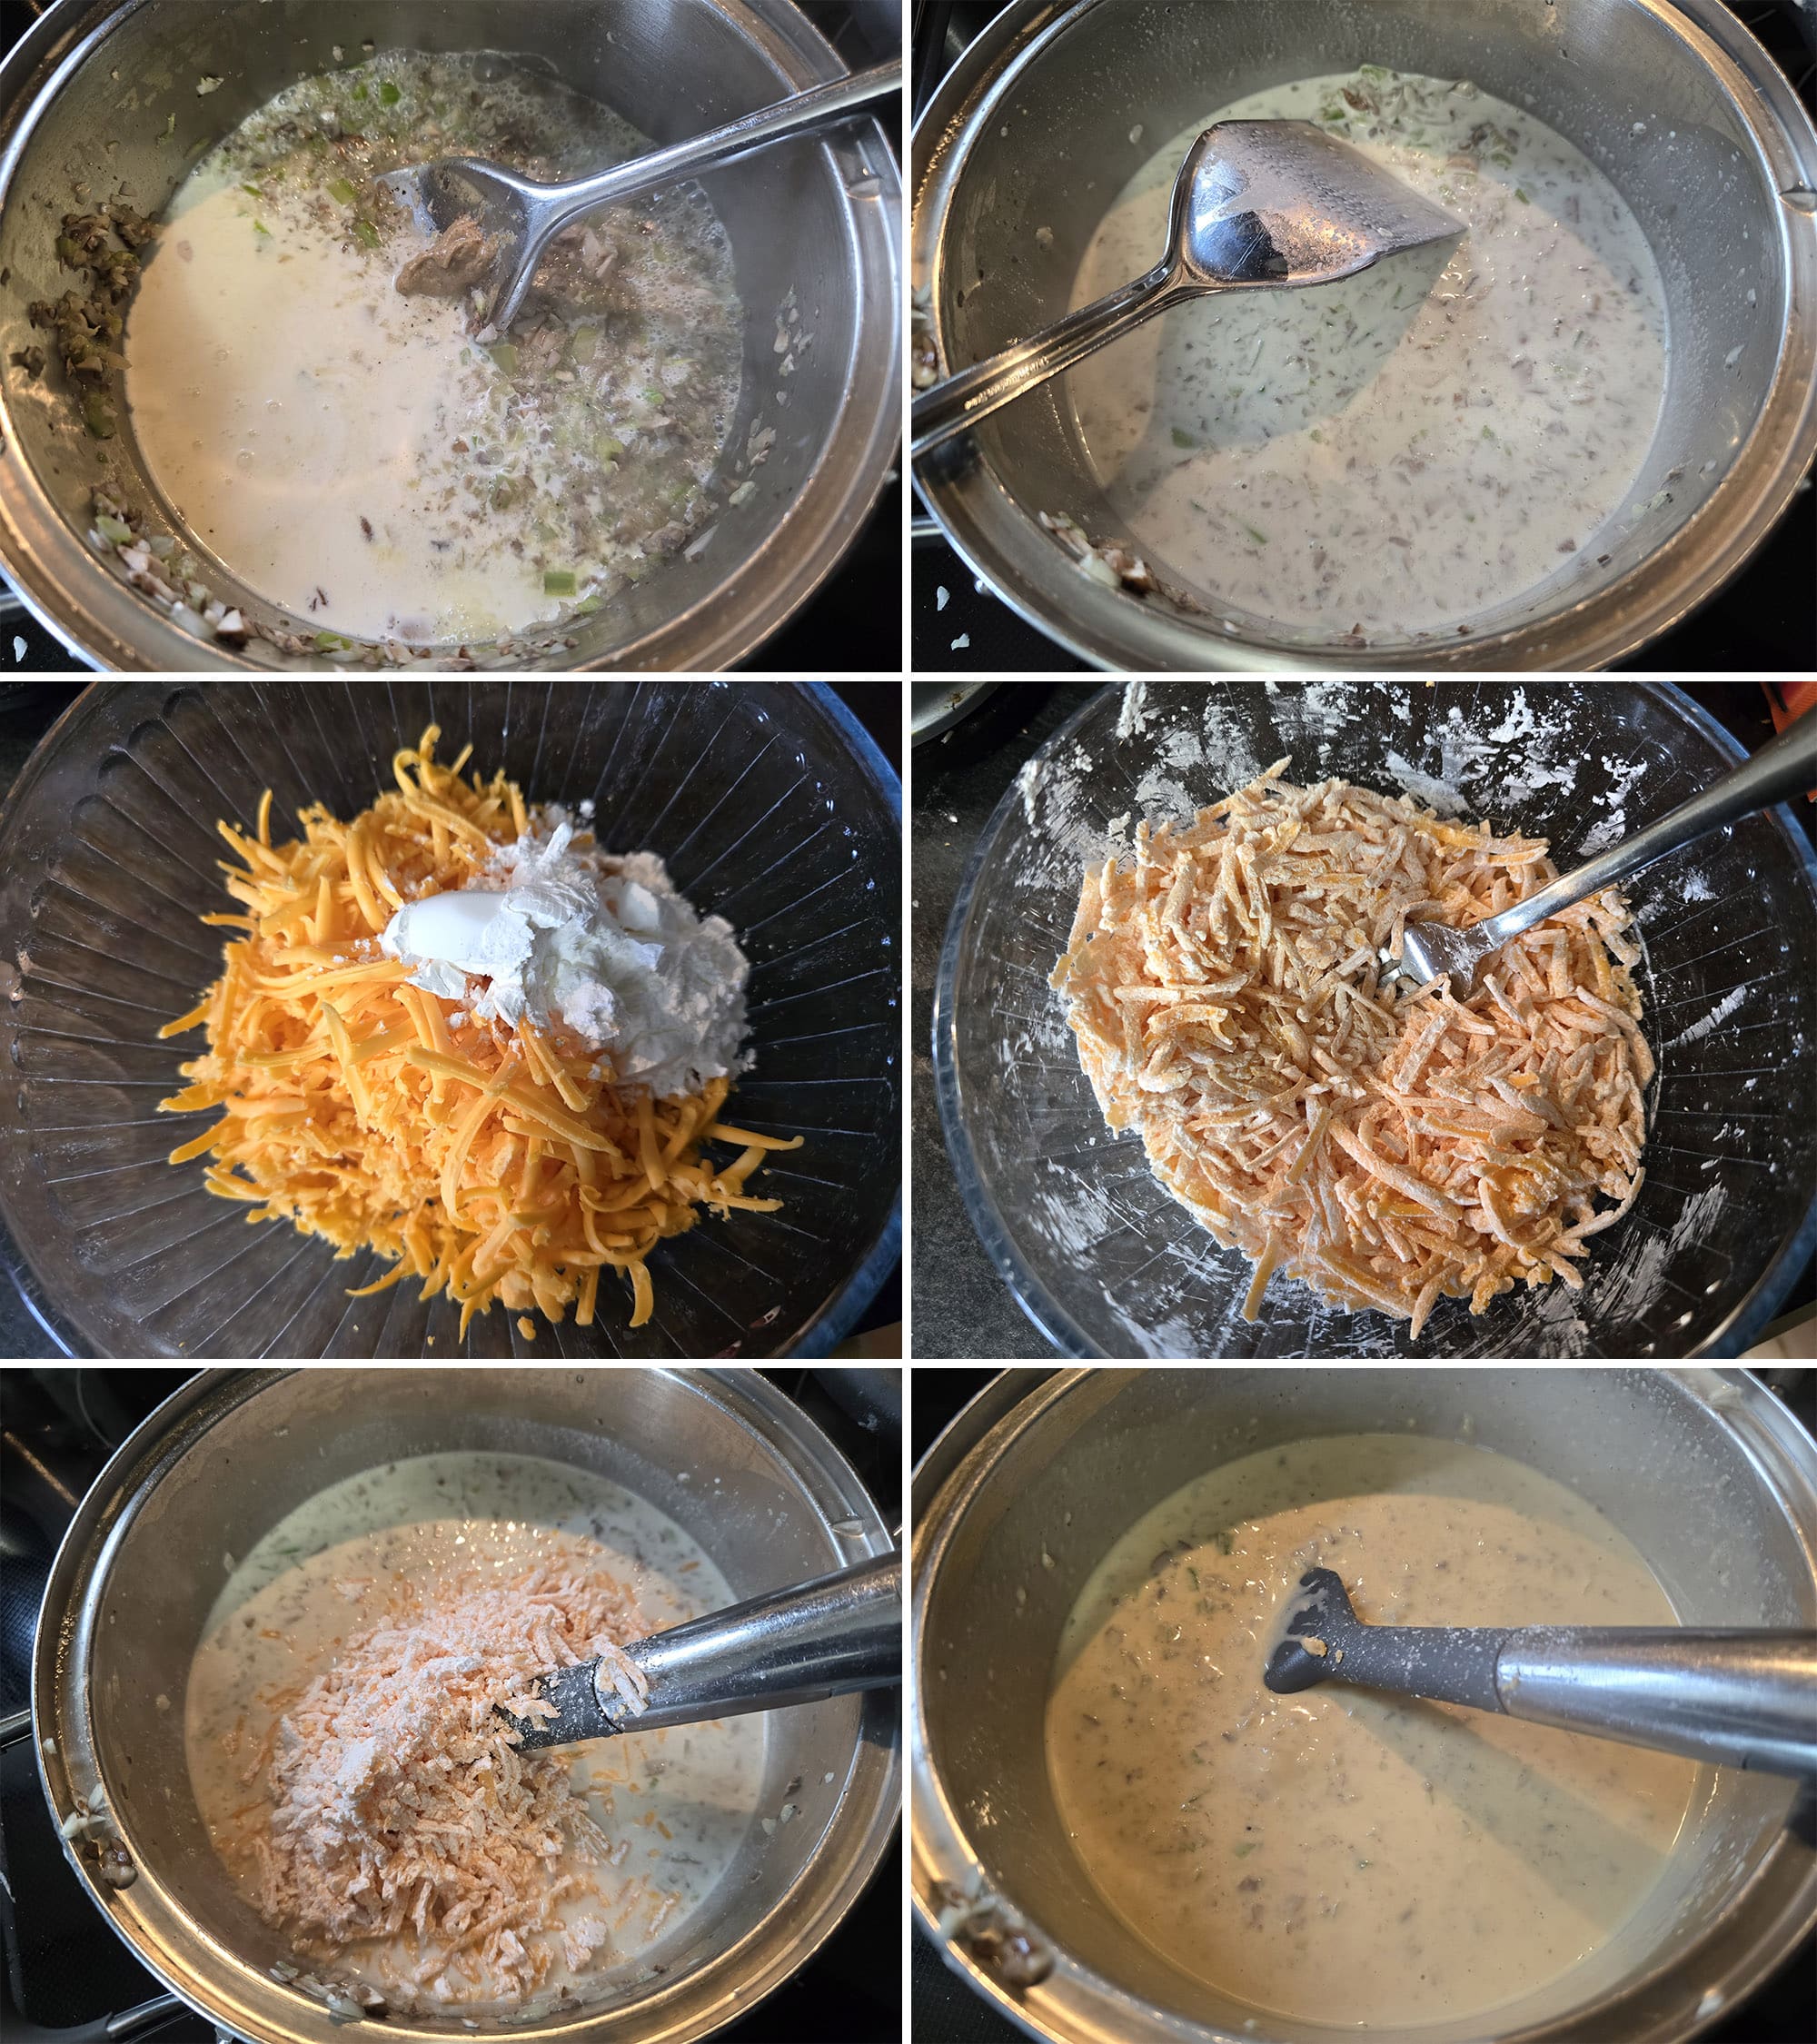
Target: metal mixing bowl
<point x="1033" y="129"/>
<point x="1107" y="1262"/>
<point x="84" y="98"/>
<point x="1709" y="1475"/>
<point x="768" y="801"/>
<point x="214" y="1469"/>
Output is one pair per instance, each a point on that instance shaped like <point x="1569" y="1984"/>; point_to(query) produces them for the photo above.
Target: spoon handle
<point x="819" y="107"/>
<point x="1786" y="766"/>
<point x="987" y="386"/>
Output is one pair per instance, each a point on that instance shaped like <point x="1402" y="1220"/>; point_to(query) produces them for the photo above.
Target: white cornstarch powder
<point x="598" y="943"/>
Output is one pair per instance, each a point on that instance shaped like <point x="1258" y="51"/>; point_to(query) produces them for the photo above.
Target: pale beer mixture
<point x="1339" y="1856"/>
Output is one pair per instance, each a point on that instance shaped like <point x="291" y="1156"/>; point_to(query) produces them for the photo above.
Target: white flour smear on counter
<point x="354" y="1776"/>
<point x="1171" y="751"/>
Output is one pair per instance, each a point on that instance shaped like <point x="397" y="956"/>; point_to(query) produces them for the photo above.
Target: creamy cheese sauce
<point x="1395" y="454"/>
<point x="1341" y="1856"/>
<point x="679" y="1800"/>
<point x="357" y="456"/>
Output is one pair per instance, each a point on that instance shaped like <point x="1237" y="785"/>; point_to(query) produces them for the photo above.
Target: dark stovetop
<point x="1764" y="622"/>
<point x="850" y="625"/>
<point x="65" y="1966"/>
<point x="946" y="2011"/>
<point x="29" y="709"/>
<point x="962" y="1308"/>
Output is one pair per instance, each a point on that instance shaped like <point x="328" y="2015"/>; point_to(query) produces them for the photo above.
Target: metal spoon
<point x="522" y="217"/>
<point x="1734" y="1695"/>
<point x="1258" y="205"/>
<point x="823" y="1638"/>
<point x="1784" y="767"/>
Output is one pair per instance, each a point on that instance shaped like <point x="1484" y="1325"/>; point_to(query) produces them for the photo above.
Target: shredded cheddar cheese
<point x="1387" y="1147"/>
<point x="498" y="1165"/>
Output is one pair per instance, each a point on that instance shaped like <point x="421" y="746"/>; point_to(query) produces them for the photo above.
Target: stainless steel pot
<point x="1705" y="1471"/>
<point x="1033" y="128"/>
<point x="730" y="1458"/>
<point x="84" y="98"/>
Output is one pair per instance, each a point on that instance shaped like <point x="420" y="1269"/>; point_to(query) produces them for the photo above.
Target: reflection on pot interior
<point x="1392" y="456"/>
<point x="1340" y="1856"/>
<point x="312" y="392"/>
<point x="355" y="1778"/>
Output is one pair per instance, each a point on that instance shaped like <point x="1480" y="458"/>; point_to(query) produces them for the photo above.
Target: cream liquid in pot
<point x="1396" y="453"/>
<point x="1340" y="1856"/>
<point x="363" y="458"/>
<point x="680" y="1800"/>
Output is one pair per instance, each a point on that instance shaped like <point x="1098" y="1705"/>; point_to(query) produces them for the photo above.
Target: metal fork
<point x="1784" y="766"/>
<point x="522" y="217"/>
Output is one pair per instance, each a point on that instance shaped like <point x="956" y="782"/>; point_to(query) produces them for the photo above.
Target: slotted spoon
<point x="1258" y="205"/>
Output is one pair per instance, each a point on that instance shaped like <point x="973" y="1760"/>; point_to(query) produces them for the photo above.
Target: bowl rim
<point x="1044" y="1309"/>
<point x="61" y="1704"/>
<point x="101" y="620"/>
<point x="1002" y="545"/>
<point x="948" y="1479"/>
<point x="837" y="1314"/>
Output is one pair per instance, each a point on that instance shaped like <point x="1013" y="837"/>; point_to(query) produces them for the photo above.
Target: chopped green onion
<point x="331" y="642"/>
<point x="343" y="190"/>
<point x="259" y="227"/>
<point x="115" y="529"/>
<point x="558" y="581"/>
<point x="360" y="92"/>
<point x="365" y="233"/>
<point x="253" y="190"/>
<point x="388" y="94"/>
<point x="504" y="353"/>
<point x="586" y="607"/>
<point x="1261" y="539"/>
<point x="1522" y="197"/>
<point x="1184" y="438"/>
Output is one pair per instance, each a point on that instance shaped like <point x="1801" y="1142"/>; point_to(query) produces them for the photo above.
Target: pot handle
<point x="105" y="2029"/>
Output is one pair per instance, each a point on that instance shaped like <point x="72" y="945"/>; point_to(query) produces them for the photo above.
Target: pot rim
<point x="690" y="2007"/>
<point x="102" y="620"/>
<point x="1078" y="2005"/>
<point x="1004" y="546"/>
<point x="1047" y="1313"/>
